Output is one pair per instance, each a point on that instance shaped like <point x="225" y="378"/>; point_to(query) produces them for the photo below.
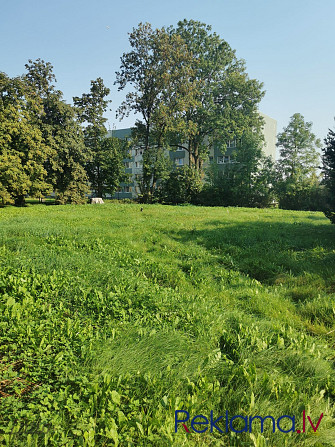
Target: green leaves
<point x="297" y="183"/>
<point x="41" y="145"/>
<point x="298" y="149"/>
<point x="23" y="151"/>
<point x="159" y="70"/>
<point x="328" y="160"/>
<point x="105" y="168"/>
<point x="228" y="98"/>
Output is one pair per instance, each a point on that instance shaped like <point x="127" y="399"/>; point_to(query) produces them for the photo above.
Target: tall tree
<point x="328" y="169"/>
<point x="91" y="108"/>
<point x="227" y="98"/>
<point x="298" y="149"/>
<point x="297" y="167"/>
<point x="105" y="168"/>
<point x="247" y="179"/>
<point x="61" y="132"/>
<point x="158" y="68"/>
<point x="67" y="165"/>
<point x="23" y="151"/>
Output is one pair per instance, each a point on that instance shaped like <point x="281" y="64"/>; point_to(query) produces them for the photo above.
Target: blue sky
<point x="289" y="45"/>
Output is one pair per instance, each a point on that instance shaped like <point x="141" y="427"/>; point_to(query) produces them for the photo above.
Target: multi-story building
<point x="180" y="156"/>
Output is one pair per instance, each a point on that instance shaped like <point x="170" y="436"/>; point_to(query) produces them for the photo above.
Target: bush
<point x="182" y="186"/>
<point x="304" y="197"/>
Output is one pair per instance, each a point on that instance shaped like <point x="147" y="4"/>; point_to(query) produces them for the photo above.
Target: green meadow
<point x="112" y="318"/>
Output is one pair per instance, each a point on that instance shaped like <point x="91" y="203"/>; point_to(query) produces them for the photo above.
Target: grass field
<point x="112" y="318"/>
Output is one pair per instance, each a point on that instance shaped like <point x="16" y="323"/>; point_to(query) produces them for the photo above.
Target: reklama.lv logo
<point x="201" y="423"/>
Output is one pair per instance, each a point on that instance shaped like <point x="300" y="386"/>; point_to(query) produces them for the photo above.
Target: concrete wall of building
<point x="270" y="135"/>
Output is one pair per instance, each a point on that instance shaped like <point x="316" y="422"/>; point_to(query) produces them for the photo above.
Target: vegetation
<point x="61" y="133"/>
<point x="182" y="186"/>
<point x="246" y="181"/>
<point x="112" y="318"/>
<point x="23" y="151"/>
<point x="297" y="184"/>
<point x="158" y="68"/>
<point x="192" y="93"/>
<point x="329" y="173"/>
<point x="41" y="143"/>
<point x="105" y="168"/>
<point x="190" y="90"/>
<point x="43" y="146"/>
<point x="227" y="99"/>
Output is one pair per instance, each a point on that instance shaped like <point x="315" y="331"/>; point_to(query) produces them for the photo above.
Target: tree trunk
<point x="20" y="200"/>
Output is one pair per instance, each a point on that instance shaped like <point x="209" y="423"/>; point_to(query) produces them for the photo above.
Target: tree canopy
<point x="190" y="90"/>
<point x="158" y="68"/>
<point x="61" y="132"/>
<point x="104" y="166"/>
<point x="23" y="150"/>
<point x="298" y="149"/>
<point x="297" y="167"/>
<point x="328" y="168"/>
<point x="227" y="99"/>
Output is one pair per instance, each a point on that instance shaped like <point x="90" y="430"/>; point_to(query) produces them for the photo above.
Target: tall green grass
<point x="113" y="318"/>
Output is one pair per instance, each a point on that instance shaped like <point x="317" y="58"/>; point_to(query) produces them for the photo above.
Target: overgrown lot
<point x="112" y="318"/>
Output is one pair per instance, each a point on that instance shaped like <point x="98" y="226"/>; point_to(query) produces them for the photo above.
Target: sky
<point x="289" y="45"/>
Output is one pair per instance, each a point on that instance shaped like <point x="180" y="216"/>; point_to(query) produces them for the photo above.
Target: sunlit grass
<point x="112" y="318"/>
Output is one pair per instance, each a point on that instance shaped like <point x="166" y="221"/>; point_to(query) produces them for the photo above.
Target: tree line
<point x="189" y="90"/>
<point x="49" y="146"/>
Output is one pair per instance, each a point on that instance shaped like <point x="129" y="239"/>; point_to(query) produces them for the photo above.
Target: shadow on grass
<point x="44" y="202"/>
<point x="270" y="252"/>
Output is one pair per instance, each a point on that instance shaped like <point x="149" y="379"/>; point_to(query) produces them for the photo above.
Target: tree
<point x="23" y="151"/>
<point x="298" y="148"/>
<point x="298" y="163"/>
<point x="328" y="169"/>
<point x="245" y="181"/>
<point x="182" y="186"/>
<point x="105" y="168"/>
<point x="67" y="166"/>
<point x="159" y="69"/>
<point x="90" y="109"/>
<point x="227" y="98"/>
<point x="61" y="133"/>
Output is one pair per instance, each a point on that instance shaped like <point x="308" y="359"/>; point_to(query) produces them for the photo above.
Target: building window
<point x="179" y="148"/>
<point x="231" y="143"/>
<point x="211" y="159"/>
<point x="223" y="159"/>
<point x="179" y="161"/>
